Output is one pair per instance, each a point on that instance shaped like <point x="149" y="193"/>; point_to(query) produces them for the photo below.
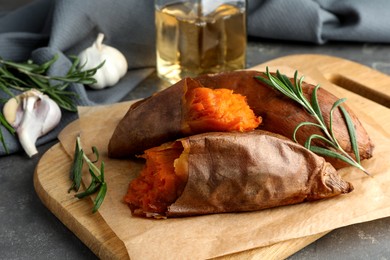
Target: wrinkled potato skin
<point x="158" y="119"/>
<point x="236" y="172"/>
<point x="148" y="123"/>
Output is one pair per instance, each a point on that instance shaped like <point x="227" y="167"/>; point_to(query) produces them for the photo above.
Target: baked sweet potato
<point x="230" y="172"/>
<point x="162" y="117"/>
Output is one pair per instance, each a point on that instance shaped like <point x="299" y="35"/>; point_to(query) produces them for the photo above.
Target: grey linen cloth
<point x="44" y="28"/>
<point x="319" y="21"/>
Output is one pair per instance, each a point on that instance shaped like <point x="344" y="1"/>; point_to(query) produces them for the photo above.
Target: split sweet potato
<point x="163" y="116"/>
<point x="180" y="111"/>
<point x="230" y="172"/>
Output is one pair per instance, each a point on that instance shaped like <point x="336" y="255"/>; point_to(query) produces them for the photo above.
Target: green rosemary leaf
<point x="89" y="81"/>
<point x="75" y="64"/>
<point x="62" y="87"/>
<point x="4" y="123"/>
<point x="92" y="188"/>
<point x="38" y="82"/>
<point x="8" y="127"/>
<point x="4" y="88"/>
<point x="62" y="98"/>
<point x="300" y="125"/>
<point x="338" y="103"/>
<point x="298" y="85"/>
<point x="330" y="153"/>
<point x="69" y="106"/>
<point x="315" y="136"/>
<point x="315" y="104"/>
<point x="100" y="197"/>
<point x="264" y="80"/>
<point x="96" y="153"/>
<point x="286" y="81"/>
<point x="92" y="172"/>
<point x="76" y="170"/>
<point x="20" y="66"/>
<point x="92" y="72"/>
<point x="4" y="72"/>
<point x="352" y="133"/>
<point x="335" y="105"/>
<point x="95" y="172"/>
<point x="282" y="88"/>
<point x="295" y="87"/>
<point x="2" y="141"/>
<point x="276" y="84"/>
<point x="14" y="81"/>
<point x="296" y="80"/>
<point x="45" y="66"/>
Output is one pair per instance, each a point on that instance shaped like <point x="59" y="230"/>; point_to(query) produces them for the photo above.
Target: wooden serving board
<point x="365" y="88"/>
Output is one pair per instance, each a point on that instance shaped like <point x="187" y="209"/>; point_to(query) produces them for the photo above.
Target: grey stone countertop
<point x="28" y="230"/>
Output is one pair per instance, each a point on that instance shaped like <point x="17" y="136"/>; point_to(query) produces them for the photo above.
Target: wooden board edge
<point x="281" y="250"/>
<point x="76" y="215"/>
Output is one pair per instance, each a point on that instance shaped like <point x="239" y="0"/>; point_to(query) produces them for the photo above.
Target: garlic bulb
<point x="32" y="114"/>
<point x="114" y="68"/>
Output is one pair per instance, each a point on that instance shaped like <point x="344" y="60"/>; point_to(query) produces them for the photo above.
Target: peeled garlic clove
<point x="114" y="68"/>
<point x="10" y="111"/>
<point x="33" y="115"/>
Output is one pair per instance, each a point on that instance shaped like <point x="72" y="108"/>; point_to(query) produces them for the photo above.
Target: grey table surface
<point x="28" y="230"/>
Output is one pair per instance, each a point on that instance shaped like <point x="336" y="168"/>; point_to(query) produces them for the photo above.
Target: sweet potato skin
<point x="239" y="172"/>
<point x="251" y="171"/>
<point x="148" y="123"/>
<point x="159" y="118"/>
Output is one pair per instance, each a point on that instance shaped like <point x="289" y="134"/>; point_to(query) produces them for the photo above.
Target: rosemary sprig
<point x="97" y="184"/>
<point x="294" y="91"/>
<point x="27" y="75"/>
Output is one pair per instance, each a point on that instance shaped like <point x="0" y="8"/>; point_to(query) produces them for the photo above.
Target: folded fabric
<point x="319" y="21"/>
<point x="44" y="28"/>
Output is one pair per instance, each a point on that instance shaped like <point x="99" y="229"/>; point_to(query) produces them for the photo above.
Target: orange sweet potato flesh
<point x="211" y="110"/>
<point x="158" y="185"/>
<point x="162" y="117"/>
<point x="230" y="172"/>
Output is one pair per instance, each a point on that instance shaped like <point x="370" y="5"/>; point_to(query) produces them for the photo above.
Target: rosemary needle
<point x="98" y="184"/>
<point x="294" y="91"/>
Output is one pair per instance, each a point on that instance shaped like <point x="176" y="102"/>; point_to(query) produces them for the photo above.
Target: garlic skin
<point x="114" y="68"/>
<point x="32" y="114"/>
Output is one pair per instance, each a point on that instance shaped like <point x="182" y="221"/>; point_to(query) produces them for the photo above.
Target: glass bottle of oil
<point x="195" y="37"/>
